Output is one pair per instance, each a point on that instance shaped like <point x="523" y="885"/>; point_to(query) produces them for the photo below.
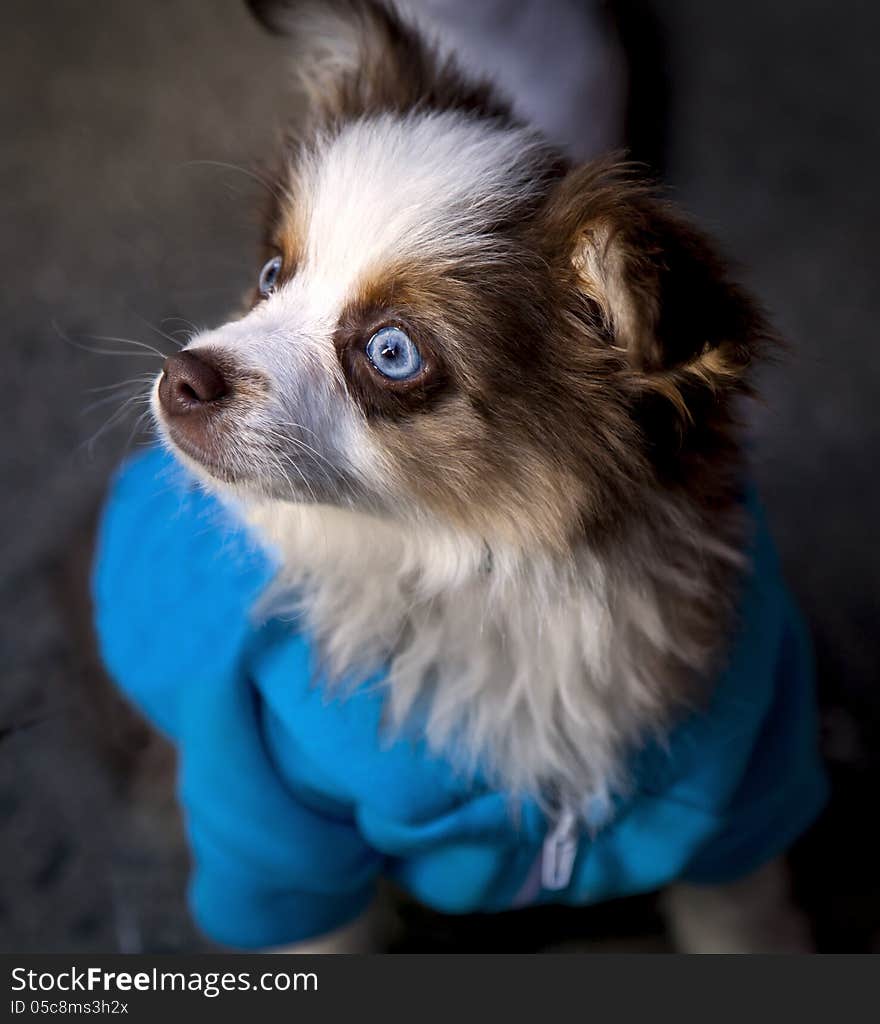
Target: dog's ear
<point x="661" y="289"/>
<point x="359" y="56"/>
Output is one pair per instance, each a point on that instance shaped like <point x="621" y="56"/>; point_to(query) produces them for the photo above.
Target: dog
<point x="481" y="417"/>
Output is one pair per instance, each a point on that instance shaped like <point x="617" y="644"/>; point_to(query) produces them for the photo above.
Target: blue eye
<point x="394" y="354"/>
<point x="269" y="276"/>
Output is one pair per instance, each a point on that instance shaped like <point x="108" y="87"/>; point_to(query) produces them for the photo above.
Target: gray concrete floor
<point x="112" y="223"/>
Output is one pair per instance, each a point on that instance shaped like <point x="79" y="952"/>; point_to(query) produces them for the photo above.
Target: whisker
<point x="189" y="327"/>
<point x="272" y="189"/>
<point x="137" y="426"/>
<point x="144" y="379"/>
<point x="111" y="421"/>
<point x="298" y="471"/>
<point x="102" y="351"/>
<point x="114" y="352"/>
<point x="306" y="447"/>
<point x="313" y="455"/>
<point x="157" y="330"/>
<point x="107" y="399"/>
<point x="296" y="426"/>
<point x="129" y="341"/>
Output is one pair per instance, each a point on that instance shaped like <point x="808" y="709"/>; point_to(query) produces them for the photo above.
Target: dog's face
<point x="451" y="323"/>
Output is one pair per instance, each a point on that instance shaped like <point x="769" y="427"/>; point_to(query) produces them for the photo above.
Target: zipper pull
<point x="559" y="852"/>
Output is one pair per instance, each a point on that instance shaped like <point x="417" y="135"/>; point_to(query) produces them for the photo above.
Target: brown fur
<point x="362" y="58"/>
<point x="581" y="389"/>
<point x="534" y="401"/>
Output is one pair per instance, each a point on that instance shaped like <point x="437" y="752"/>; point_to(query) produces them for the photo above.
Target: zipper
<point x="559" y="852"/>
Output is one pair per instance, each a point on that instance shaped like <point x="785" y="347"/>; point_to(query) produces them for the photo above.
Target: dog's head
<point x="453" y="323"/>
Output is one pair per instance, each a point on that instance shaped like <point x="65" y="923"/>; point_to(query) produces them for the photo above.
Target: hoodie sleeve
<point x="785" y="786"/>
<point x="173" y="586"/>
<point x="755" y="764"/>
<point x="173" y="582"/>
<point x="269" y="869"/>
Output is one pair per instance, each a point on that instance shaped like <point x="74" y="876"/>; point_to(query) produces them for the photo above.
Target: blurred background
<point x="127" y="212"/>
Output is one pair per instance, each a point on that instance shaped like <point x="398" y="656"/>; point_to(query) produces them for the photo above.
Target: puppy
<point x="525" y="638"/>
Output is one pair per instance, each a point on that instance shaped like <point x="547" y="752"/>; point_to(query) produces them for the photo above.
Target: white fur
<point x="381" y="192"/>
<point x="535" y="669"/>
<point x="540" y="670"/>
<point x="388" y="189"/>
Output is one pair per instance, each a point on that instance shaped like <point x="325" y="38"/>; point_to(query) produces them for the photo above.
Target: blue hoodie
<point x="295" y="802"/>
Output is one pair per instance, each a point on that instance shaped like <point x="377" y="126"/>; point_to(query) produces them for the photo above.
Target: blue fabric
<point x="295" y="803"/>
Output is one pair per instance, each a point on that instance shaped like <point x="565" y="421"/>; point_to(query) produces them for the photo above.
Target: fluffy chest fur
<point x="540" y="672"/>
<point x="524" y="509"/>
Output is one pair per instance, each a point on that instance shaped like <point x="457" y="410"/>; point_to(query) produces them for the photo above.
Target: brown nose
<point x="190" y="382"/>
